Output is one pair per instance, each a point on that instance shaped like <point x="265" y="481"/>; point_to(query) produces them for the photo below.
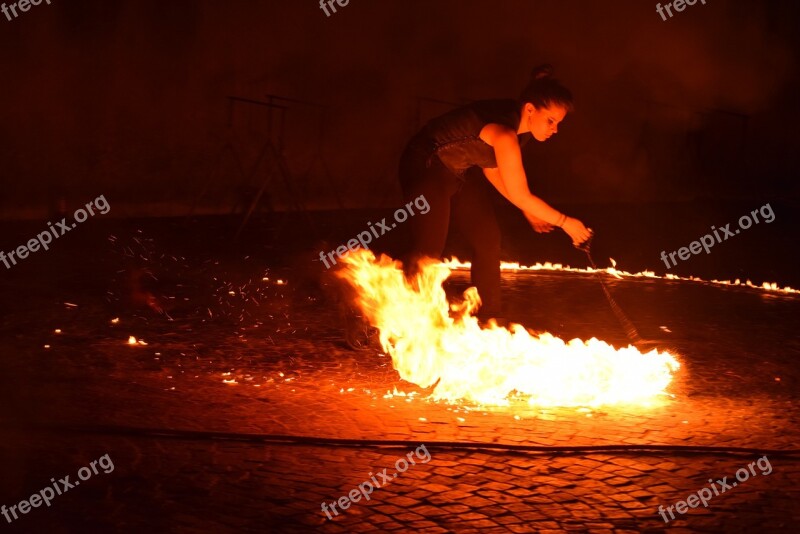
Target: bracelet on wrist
<point x="561" y="220"/>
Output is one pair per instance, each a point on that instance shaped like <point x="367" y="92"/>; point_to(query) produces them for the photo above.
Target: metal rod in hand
<point x="626" y="323"/>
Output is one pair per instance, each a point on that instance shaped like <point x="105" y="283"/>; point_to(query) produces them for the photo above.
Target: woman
<point x="484" y="135"/>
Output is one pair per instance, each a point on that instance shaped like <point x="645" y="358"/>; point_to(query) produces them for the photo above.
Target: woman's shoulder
<point x="469" y="119"/>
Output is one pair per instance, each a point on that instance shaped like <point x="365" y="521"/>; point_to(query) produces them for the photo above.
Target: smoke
<point x="134" y="93"/>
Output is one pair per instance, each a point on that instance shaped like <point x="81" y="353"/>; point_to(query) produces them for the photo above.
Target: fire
<point x="769" y="287"/>
<point x="434" y="343"/>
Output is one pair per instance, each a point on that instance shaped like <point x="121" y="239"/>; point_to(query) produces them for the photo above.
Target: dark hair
<point x="544" y="90"/>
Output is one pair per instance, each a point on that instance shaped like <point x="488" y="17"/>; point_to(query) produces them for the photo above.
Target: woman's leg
<point x="474" y="214"/>
<point x="438" y="185"/>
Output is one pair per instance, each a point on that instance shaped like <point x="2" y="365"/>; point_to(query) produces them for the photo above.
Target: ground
<point x="240" y="409"/>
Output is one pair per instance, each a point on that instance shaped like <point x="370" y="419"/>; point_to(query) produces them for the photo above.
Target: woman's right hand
<point x="576" y="230"/>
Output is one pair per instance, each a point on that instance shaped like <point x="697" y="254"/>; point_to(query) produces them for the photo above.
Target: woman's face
<point x="543" y="122"/>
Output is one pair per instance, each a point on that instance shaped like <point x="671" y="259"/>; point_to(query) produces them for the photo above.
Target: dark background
<point x="680" y="124"/>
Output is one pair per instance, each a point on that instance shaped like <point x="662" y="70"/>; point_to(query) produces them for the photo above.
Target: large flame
<point x="433" y="341"/>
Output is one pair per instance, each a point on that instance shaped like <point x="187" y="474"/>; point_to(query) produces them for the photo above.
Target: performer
<point x="485" y="135"/>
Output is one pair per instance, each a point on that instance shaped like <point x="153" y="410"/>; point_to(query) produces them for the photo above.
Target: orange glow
<point x="432" y="342"/>
<point x="771" y="287"/>
<point x="133" y="341"/>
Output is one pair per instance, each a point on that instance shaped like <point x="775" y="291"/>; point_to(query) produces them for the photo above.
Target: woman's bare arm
<point x="510" y="180"/>
<point x="493" y="175"/>
<point x="512" y="175"/>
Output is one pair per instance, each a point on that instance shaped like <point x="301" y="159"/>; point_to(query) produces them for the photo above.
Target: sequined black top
<point x="454" y="136"/>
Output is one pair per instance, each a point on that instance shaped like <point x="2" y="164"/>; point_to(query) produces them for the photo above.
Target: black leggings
<point x="468" y="206"/>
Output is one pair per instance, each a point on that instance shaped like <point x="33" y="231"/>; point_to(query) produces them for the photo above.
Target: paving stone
<point x="91" y="377"/>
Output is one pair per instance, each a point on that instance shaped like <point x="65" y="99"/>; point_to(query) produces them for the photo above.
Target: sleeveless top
<point x="454" y="136"/>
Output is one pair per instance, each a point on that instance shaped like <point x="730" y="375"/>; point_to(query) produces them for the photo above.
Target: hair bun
<point x="544" y="90"/>
<point x="542" y="71"/>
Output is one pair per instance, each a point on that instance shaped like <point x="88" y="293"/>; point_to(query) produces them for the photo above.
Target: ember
<point x="434" y="343"/>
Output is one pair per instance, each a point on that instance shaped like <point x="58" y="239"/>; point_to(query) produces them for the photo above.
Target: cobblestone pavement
<point x="247" y="354"/>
